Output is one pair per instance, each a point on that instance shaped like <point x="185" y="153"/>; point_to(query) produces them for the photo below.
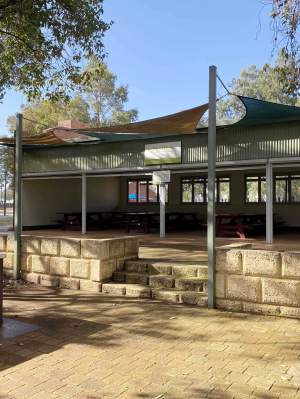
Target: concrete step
<point x="177" y="296"/>
<point x="131" y="290"/>
<point x="191" y="284"/>
<point x="189" y="271"/>
<point x="130" y="277"/>
<point x="147" y="266"/>
<point x="162" y="294"/>
<point x="178" y="269"/>
<point x="161" y="281"/>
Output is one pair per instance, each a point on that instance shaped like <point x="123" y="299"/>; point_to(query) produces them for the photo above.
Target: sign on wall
<point x="163" y="153"/>
<point x="161" y="176"/>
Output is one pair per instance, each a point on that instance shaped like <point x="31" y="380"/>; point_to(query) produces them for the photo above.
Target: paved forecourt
<point x="93" y="346"/>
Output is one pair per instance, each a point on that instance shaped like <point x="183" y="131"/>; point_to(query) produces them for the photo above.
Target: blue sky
<point x="162" y="49"/>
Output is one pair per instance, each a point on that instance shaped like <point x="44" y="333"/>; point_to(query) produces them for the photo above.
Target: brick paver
<point x="92" y="346"/>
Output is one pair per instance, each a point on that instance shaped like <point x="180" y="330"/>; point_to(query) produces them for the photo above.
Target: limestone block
<point x="10" y="243"/>
<point x="137" y="291"/>
<point x="243" y="288"/>
<point x="8" y="261"/>
<point x="95" y="249"/>
<point x="193" y="298"/>
<point x="3" y="243"/>
<point x="289" y="311"/>
<point x="159" y="281"/>
<point x="49" y="246"/>
<point x="49" y="281"/>
<point x="102" y="270"/>
<point x="69" y="283"/>
<point x="220" y="285"/>
<point x="31" y="245"/>
<point x="79" y="268"/>
<point x="40" y="264"/>
<point x="291" y="264"/>
<point x="70" y="247"/>
<point x="131" y="257"/>
<point x="8" y="273"/>
<point x="26" y="262"/>
<point x="260" y="262"/>
<point x="259" y="308"/>
<point x="113" y="289"/>
<point x="92" y="286"/>
<point x="131" y="246"/>
<point x="59" y="266"/>
<point x="185" y="271"/>
<point x="281" y="292"/>
<point x="31" y="277"/>
<point x="116" y="248"/>
<point x="166" y="295"/>
<point x="120" y="262"/>
<point x="232" y="306"/>
<point x="229" y="261"/>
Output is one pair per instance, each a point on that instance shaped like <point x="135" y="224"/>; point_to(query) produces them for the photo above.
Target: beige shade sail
<point x="184" y="122"/>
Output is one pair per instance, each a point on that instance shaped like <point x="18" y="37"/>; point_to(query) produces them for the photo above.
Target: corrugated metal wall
<point x="233" y="144"/>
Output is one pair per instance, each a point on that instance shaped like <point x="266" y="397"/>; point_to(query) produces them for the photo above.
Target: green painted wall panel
<point x="233" y="144"/>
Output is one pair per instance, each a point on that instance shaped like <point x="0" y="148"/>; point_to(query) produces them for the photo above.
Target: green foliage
<point x="98" y="101"/>
<point x="48" y="113"/>
<point x="263" y="84"/>
<point x="106" y="100"/>
<point x="285" y="16"/>
<point x="43" y="42"/>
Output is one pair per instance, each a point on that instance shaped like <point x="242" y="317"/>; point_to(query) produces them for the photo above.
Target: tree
<point x="48" y="113"/>
<point x="263" y="84"/>
<point x="106" y="100"/>
<point x="43" y="42"/>
<point x="285" y="16"/>
<point x="98" y="101"/>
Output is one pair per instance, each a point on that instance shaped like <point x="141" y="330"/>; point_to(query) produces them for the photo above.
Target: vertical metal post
<point x="162" y="210"/>
<point x="5" y="193"/>
<point x="211" y="231"/>
<point x="83" y="203"/>
<point x="269" y="203"/>
<point x="18" y="196"/>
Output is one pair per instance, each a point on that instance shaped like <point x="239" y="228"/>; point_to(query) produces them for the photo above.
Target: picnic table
<point x="129" y="220"/>
<point x="72" y="220"/>
<point x="147" y="220"/>
<point x="239" y="225"/>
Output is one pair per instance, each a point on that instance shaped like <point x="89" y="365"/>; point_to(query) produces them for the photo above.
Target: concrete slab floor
<point x="93" y="346"/>
<point x="187" y="246"/>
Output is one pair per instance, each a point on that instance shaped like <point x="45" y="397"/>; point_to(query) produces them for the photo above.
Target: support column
<point x="5" y="193"/>
<point x="211" y="181"/>
<point x="83" y="203"/>
<point x="269" y="203"/>
<point x="162" y="210"/>
<point x="18" y="196"/>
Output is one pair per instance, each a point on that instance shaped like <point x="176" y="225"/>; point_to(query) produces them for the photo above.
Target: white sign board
<point x="163" y="153"/>
<point x="161" y="176"/>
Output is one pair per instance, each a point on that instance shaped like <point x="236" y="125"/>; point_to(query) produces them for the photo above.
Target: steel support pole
<point x="18" y="196"/>
<point x="269" y="203"/>
<point x="162" y="210"/>
<point x="83" y="203"/>
<point x="211" y="181"/>
<point x="5" y="192"/>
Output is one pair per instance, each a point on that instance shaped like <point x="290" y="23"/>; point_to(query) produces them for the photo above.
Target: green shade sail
<point x="259" y="112"/>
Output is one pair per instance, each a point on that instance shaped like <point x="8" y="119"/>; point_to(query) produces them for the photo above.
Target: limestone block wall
<point x="258" y="281"/>
<point x="69" y="262"/>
